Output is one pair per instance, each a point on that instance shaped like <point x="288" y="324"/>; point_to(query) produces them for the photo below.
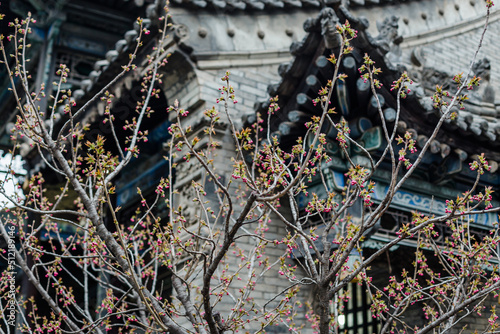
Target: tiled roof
<point x="479" y="121"/>
<point x="235" y="5"/>
<point x="247" y="4"/>
<point x="123" y="47"/>
<point x="478" y="126"/>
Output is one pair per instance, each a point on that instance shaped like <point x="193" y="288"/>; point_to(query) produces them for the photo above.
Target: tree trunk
<point x="324" y="311"/>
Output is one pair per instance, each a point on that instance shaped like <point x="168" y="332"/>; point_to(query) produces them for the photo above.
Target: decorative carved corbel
<point x="388" y="32"/>
<point x="329" y="21"/>
<point x="388" y="40"/>
<point x="485" y="92"/>
<point x="181" y="34"/>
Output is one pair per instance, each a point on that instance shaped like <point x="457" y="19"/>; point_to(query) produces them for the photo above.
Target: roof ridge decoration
<point x="389" y="39"/>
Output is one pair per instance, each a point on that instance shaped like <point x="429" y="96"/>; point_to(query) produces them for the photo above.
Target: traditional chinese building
<point x="280" y="48"/>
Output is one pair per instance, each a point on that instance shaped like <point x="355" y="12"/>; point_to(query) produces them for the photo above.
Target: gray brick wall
<point x="197" y="91"/>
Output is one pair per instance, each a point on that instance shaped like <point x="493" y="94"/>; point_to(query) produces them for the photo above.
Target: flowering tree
<point x="221" y="254"/>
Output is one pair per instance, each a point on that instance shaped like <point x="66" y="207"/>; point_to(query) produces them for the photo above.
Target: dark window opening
<point x="356" y="317"/>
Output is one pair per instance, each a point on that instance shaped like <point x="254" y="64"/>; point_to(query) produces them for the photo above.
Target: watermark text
<point x="11" y="274"/>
